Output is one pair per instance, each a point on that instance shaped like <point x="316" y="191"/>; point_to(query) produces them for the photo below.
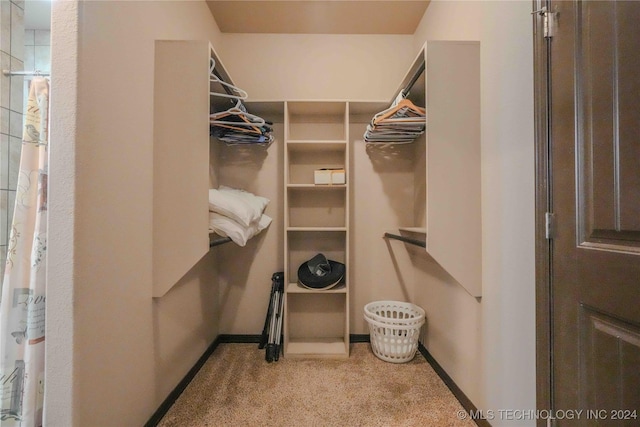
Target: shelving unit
<point x="316" y="221"/>
<point x="447" y="215"/>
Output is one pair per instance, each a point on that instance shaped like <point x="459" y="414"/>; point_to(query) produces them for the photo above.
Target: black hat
<point x="320" y="273"/>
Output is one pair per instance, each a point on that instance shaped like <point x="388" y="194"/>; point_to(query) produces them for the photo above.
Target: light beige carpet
<point x="236" y="387"/>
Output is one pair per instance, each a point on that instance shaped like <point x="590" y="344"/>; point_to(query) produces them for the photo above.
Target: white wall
<point x="450" y="20"/>
<point x="382" y="194"/>
<point x="453" y="332"/>
<point x="244" y="273"/>
<point x="113" y="352"/>
<point x="488" y="346"/>
<point x="508" y="163"/>
<point x="61" y="382"/>
<point x="317" y="66"/>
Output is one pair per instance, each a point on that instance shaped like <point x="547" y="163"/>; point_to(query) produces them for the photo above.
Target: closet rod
<point x="416" y="242"/>
<point x="226" y="89"/>
<point x="218" y="242"/>
<point x="414" y="79"/>
<point x="217" y="74"/>
<point x="25" y="73"/>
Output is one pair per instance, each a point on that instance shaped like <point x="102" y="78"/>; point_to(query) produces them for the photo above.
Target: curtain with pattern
<point x="22" y="307"/>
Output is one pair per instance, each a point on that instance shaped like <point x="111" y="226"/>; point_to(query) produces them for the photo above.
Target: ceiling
<point x="318" y="16"/>
<point x="290" y="16"/>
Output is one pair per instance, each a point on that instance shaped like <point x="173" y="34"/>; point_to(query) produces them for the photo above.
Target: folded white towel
<point x="241" y="206"/>
<point x="227" y="227"/>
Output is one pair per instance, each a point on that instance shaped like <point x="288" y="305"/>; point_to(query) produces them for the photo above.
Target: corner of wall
<point x="508" y="185"/>
<point x="61" y="383"/>
<point x="449" y="20"/>
<point x="489" y="347"/>
<point x="99" y="269"/>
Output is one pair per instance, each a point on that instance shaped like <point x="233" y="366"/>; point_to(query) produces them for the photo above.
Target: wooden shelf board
<point x="317" y="347"/>
<point x="418" y="230"/>
<point x="317" y="186"/>
<point x="316" y="145"/>
<point x="295" y="288"/>
<point x="316" y="228"/>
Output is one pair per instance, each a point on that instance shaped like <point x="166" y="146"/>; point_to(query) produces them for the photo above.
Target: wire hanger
<point x="236" y="126"/>
<point x="214" y="78"/>
<point x="401" y="104"/>
<point x="401" y="123"/>
<point x="240" y="127"/>
<point x="250" y="120"/>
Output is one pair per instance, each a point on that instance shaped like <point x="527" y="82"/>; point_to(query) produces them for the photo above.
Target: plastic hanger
<point x="401" y="123"/>
<point x="237" y="110"/>
<point x="213" y="78"/>
<point x="250" y="123"/>
<point x="399" y="104"/>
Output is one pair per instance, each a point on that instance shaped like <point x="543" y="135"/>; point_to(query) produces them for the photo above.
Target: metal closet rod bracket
<point x="416" y="242"/>
<point x="218" y="241"/>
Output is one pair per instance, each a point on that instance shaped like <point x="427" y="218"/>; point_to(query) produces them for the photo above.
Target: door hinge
<point x="548" y="21"/>
<point x="549" y="225"/>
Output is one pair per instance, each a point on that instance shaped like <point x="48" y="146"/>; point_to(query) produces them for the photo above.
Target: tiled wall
<point x="37" y="50"/>
<point x="11" y="103"/>
<point x="37" y="54"/>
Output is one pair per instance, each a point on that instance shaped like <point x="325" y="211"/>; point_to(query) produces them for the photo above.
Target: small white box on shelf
<point x="338" y="176"/>
<point x="329" y="176"/>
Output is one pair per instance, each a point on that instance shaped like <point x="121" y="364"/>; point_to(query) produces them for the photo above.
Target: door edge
<point x="543" y="204"/>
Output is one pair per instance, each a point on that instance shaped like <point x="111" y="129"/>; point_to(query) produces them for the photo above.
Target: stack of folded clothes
<point x="237" y="214"/>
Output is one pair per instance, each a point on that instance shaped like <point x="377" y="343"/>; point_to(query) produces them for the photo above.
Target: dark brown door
<point x="594" y="159"/>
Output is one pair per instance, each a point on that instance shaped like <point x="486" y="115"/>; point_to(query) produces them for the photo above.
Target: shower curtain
<point x="22" y="307"/>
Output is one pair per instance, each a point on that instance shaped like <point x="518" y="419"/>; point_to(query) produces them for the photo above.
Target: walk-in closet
<point x="375" y="134"/>
<point x="385" y="191"/>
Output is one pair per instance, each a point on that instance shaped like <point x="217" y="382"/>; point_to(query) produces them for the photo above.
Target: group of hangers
<point x="401" y="123"/>
<point x="236" y="125"/>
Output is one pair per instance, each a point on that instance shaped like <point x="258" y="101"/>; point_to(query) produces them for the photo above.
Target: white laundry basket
<point x="395" y="329"/>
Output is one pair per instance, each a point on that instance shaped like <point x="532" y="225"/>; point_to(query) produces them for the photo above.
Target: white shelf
<point x="304" y="158"/>
<point x="316" y="221"/>
<point x="313" y="145"/>
<point x="295" y="288"/>
<point x="316" y="228"/>
<point x="317" y="186"/>
<point x="417" y="230"/>
<point x="317" y="347"/>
